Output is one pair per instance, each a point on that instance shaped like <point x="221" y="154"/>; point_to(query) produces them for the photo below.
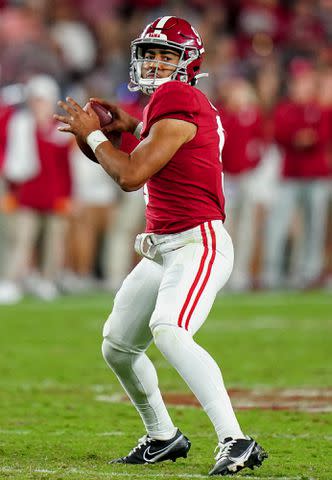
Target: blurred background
<point x="66" y="228"/>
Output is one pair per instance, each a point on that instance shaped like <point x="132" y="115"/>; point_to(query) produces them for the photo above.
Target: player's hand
<point x="122" y="121"/>
<point x="78" y="121"/>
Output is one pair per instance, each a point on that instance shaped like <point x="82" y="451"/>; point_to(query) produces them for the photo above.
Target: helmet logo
<point x="162" y="36"/>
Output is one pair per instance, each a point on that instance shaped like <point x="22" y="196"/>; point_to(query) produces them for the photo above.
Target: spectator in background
<point x="73" y="37"/>
<point x="111" y="34"/>
<point x="5" y="113"/>
<point x="306" y="32"/>
<point x="225" y="64"/>
<point x="268" y="86"/>
<point x="261" y="27"/>
<point x="26" y="47"/>
<point x="73" y="40"/>
<point x="36" y="165"/>
<point x="325" y="17"/>
<point x="242" y="120"/>
<point x="301" y="130"/>
<point x="94" y="200"/>
<point x="93" y="207"/>
<point x="129" y="218"/>
<point x="325" y="97"/>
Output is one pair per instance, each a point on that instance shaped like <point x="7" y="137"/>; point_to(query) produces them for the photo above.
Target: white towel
<point x="21" y="155"/>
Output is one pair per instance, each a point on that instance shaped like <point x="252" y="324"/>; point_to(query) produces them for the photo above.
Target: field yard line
<point x="130" y="475"/>
<point x="102" y="390"/>
<point x="14" y="432"/>
<point x="297" y="399"/>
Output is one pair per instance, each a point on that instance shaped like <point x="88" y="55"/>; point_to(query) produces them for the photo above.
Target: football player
<point x="187" y="253"/>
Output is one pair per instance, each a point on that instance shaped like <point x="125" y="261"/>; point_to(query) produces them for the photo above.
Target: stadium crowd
<point x="65" y="227"/>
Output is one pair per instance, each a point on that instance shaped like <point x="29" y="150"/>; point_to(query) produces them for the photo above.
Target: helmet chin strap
<point x="148" y="87"/>
<point x="201" y="75"/>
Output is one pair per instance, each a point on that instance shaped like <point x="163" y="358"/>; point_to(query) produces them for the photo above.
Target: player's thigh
<point x="127" y="327"/>
<point x="192" y="278"/>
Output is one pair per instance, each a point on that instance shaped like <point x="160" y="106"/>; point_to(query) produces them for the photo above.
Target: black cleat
<point x="234" y="455"/>
<point x="150" y="450"/>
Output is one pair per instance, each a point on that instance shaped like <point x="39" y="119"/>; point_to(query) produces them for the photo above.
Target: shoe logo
<point x="153" y="456"/>
<point x="245" y="455"/>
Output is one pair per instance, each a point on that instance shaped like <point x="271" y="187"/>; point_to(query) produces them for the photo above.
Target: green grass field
<point x="57" y="420"/>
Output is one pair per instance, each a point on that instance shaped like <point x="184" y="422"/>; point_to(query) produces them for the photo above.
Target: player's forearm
<point x="85" y="149"/>
<point x="132" y="171"/>
<point x="118" y="164"/>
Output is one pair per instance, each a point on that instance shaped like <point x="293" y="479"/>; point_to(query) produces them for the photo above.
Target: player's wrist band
<point x="138" y="130"/>
<point x="95" y="138"/>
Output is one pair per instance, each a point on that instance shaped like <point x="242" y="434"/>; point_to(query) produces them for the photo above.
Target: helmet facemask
<point x="149" y="85"/>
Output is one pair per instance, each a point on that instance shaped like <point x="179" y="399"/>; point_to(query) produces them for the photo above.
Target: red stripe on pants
<point x="207" y="275"/>
<point x="198" y="275"/>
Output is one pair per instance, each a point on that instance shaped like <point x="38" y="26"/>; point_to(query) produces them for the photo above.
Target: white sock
<point x="202" y="375"/>
<point x="138" y="377"/>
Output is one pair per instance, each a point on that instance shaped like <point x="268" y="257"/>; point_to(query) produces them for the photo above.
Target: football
<point x="105" y="117"/>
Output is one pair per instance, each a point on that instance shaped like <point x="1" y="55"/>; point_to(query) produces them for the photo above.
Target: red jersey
<point x="5" y="114"/>
<point x="306" y="162"/>
<point x="244" y="139"/>
<point x="46" y="191"/>
<point x="188" y="190"/>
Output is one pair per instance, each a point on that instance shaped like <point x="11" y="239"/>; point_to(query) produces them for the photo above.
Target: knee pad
<point x="165" y="337"/>
<point x="114" y="341"/>
<point x="171" y="340"/>
<point x="114" y="358"/>
<point x="130" y="368"/>
<point x="108" y="351"/>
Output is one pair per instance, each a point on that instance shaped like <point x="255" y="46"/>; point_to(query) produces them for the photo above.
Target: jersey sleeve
<point x="173" y="100"/>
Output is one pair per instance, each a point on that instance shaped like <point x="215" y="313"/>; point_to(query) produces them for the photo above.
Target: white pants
<point x="177" y="287"/>
<point x="312" y="197"/>
<point x="117" y="256"/>
<point x="24" y="227"/>
<point x="248" y="194"/>
<point x="166" y="298"/>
